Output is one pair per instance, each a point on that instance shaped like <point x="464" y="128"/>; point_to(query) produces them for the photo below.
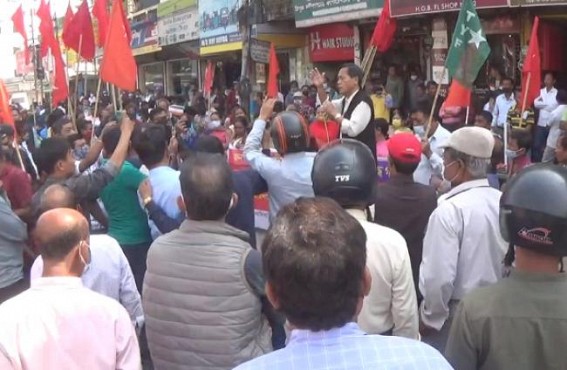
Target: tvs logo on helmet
<point x="538" y="235"/>
<point x="342" y="178"/>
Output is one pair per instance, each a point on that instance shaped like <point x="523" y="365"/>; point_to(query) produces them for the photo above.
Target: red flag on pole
<point x="383" y="36"/>
<point x="45" y="27"/>
<point x="118" y="65"/>
<point x="531" y="72"/>
<point x="273" y="73"/>
<point x="68" y="17"/>
<point x="100" y="12"/>
<point x="209" y="78"/>
<point x="79" y="34"/>
<point x="5" y="111"/>
<point x="19" y="27"/>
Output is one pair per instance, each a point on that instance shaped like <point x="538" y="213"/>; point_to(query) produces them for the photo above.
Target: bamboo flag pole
<point x="95" y="113"/>
<point x="17" y="149"/>
<point x="435" y="102"/>
<point x="367" y="63"/>
<point x="77" y="75"/>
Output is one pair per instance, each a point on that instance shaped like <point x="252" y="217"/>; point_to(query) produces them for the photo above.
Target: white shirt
<point x="554" y="125"/>
<point x="502" y="106"/>
<point x="546" y="102"/>
<point x="462" y="249"/>
<point x="109" y="274"/>
<point x="60" y="324"/>
<point x="432" y="166"/>
<point x="359" y="119"/>
<point x="392" y="302"/>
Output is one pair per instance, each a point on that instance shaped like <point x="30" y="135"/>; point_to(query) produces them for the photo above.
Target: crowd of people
<point x="397" y="240"/>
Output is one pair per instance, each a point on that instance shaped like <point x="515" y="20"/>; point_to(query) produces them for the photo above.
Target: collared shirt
<point x="546" y="102"/>
<point x="359" y="119"/>
<point x="108" y="274"/>
<point x="166" y="189"/>
<point x="555" y="125"/>
<point x="348" y="348"/>
<point x="432" y="166"/>
<point x="405" y="206"/>
<point x="13" y="236"/>
<point x="518" y="323"/>
<point x="288" y="178"/>
<point x="391" y="302"/>
<point x="60" y="324"/>
<point x="462" y="249"/>
<point x="502" y="106"/>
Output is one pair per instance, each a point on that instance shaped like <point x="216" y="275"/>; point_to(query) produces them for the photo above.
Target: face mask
<point x="413" y="77"/>
<point x="454" y="177"/>
<point x="419" y="131"/>
<point x="83" y="260"/>
<point x="397" y="123"/>
<point x="81" y="152"/>
<point x="511" y="154"/>
<point x="325" y="86"/>
<point x="507" y="90"/>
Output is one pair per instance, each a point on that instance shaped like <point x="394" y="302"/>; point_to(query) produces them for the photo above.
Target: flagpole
<point x="77" y="75"/>
<point x="17" y="149"/>
<point x="468" y="112"/>
<point x="525" y="100"/>
<point x="95" y="113"/>
<point x="35" y="58"/>
<point x="435" y="102"/>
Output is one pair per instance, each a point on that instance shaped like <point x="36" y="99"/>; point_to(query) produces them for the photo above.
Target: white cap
<point x="474" y="141"/>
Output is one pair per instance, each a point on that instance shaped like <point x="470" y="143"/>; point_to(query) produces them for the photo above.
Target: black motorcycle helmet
<point x="533" y="211"/>
<point x="345" y="171"/>
<point x="290" y="133"/>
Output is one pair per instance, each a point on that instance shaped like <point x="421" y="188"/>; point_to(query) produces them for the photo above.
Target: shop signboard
<point x="331" y="43"/>
<point x="260" y="51"/>
<point x="178" y="21"/>
<point x="145" y="37"/>
<point x="309" y="13"/>
<point x="218" y="22"/>
<point x="412" y="7"/>
<point x="537" y="2"/>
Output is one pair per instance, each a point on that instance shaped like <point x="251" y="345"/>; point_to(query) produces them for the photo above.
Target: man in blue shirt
<point x="314" y="259"/>
<point x="288" y="177"/>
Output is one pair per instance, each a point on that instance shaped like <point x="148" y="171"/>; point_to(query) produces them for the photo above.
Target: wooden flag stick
<point x="368" y="65"/>
<point x="95" y="113"/>
<point x="525" y="100"/>
<point x="17" y="149"/>
<point x="435" y="103"/>
<point x="77" y="77"/>
<point x="112" y="87"/>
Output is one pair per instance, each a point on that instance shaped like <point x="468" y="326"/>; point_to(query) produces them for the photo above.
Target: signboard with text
<point x="218" y="22"/>
<point x="178" y="21"/>
<point x="260" y="51"/>
<point x="411" y="7"/>
<point x="331" y="43"/>
<point x="536" y="2"/>
<point x="310" y="13"/>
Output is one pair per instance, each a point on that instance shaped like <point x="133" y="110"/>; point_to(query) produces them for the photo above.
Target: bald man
<point x="58" y="323"/>
<point x="109" y="272"/>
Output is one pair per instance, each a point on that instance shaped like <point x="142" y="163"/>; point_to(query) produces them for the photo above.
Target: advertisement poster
<point x="178" y="21"/>
<point x="331" y="43"/>
<point x="218" y="22"/>
<point x="310" y="13"/>
<point x="402" y="8"/>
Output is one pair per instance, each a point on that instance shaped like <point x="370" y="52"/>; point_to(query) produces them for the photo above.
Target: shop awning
<point x="220" y="48"/>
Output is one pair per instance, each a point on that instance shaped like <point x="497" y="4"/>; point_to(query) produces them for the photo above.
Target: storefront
<point x="151" y="72"/>
<point x="178" y="31"/>
<point x="331" y="45"/>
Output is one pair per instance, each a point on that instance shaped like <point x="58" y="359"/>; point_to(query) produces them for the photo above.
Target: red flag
<point x="5" y="111"/>
<point x="19" y="27"/>
<point x="100" y="12"/>
<point x="532" y="68"/>
<point x="118" y="65"/>
<point x="383" y="36"/>
<point x="273" y="74"/>
<point x="68" y="17"/>
<point x="209" y="78"/>
<point x="50" y="42"/>
<point x="459" y="95"/>
<point x="79" y="34"/>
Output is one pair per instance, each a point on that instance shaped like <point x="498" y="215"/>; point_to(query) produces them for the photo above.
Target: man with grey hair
<point x="463" y="248"/>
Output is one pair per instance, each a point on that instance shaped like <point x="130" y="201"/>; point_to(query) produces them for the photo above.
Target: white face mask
<point x="413" y="77"/>
<point x="512" y="154"/>
<point x="419" y="130"/>
<point x="83" y="260"/>
<point x="214" y="124"/>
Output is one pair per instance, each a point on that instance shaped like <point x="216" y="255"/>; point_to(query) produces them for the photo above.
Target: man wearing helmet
<point x="344" y="171"/>
<point x="355" y="111"/>
<point x="462" y="248"/>
<point x="520" y="322"/>
<point x="288" y="178"/>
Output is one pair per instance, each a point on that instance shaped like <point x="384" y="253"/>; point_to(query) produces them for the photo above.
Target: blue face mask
<point x="81" y="152"/>
<point x="419" y="131"/>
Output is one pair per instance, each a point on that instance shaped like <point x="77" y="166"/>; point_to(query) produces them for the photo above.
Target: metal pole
<point x="35" y="59"/>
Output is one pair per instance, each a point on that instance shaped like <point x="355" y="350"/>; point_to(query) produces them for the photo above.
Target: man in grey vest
<point x="204" y="288"/>
<point x="355" y="111"/>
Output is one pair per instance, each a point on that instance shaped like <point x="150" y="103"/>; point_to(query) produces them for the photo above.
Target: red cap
<point x="404" y="147"/>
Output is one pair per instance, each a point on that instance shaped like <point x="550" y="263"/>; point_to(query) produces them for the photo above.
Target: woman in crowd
<point x="239" y="132"/>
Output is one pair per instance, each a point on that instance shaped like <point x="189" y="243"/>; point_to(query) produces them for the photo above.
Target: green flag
<point x="469" y="49"/>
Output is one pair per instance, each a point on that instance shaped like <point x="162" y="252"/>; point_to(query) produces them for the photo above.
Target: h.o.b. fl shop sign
<point x="331" y="43"/>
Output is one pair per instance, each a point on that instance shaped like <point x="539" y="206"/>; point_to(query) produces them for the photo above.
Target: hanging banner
<point x="401" y="8"/>
<point x="145" y="37"/>
<point x="178" y="21"/>
<point x="260" y="51"/>
<point x="331" y="43"/>
<point x="218" y="22"/>
<point x="309" y="13"/>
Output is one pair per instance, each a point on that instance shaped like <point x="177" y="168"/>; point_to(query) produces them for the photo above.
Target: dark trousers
<point x="13" y="290"/>
<point x="540" y="141"/>
<point x="136" y="254"/>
